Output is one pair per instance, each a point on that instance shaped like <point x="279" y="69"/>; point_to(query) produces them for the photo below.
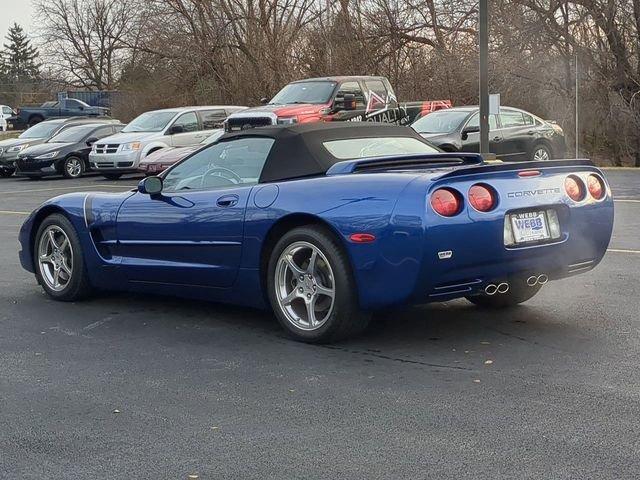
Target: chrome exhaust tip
<point x="532" y="280"/>
<point x="490" y="289"/>
<point x="542" y="279"/>
<point x="503" y="287"/>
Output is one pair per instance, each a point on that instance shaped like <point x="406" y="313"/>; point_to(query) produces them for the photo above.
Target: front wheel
<point x="311" y="287"/>
<point x="73" y="167"/>
<point x="518" y="293"/>
<point x="6" y="173"/>
<point x="59" y="260"/>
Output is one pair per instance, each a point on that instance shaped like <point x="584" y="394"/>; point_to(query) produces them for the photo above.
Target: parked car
<point x="326" y="223"/>
<point x="513" y="134"/>
<point x="66" y="153"/>
<point x="151" y="131"/>
<point x="358" y="98"/>
<point x="162" y="159"/>
<point x="68" y="107"/>
<point x="6" y="112"/>
<point x="10" y="148"/>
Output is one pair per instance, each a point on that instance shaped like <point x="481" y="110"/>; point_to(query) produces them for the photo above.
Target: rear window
<point x="376" y="147"/>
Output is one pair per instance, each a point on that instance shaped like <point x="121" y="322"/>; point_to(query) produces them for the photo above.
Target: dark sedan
<point x="513" y="134"/>
<point x="66" y="153"/>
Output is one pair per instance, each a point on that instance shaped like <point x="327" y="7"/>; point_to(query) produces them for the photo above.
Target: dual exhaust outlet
<point x="503" y="287"/>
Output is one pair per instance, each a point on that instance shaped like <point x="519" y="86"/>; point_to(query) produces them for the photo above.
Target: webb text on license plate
<point x="529" y="226"/>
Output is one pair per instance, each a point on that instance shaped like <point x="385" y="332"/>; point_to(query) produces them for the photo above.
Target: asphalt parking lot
<point x="549" y="390"/>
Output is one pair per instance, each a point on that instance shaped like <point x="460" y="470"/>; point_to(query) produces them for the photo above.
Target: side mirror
<point x="91" y="141"/>
<point x="347" y="102"/>
<point x="176" y="129"/>
<point x="150" y="186"/>
<point x="469" y="129"/>
<point x="264" y="100"/>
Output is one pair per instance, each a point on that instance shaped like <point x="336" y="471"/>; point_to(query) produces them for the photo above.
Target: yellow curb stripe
<point x="622" y="250"/>
<point x="9" y="212"/>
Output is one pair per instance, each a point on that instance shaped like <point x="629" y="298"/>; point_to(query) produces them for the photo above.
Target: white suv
<point x="151" y="131"/>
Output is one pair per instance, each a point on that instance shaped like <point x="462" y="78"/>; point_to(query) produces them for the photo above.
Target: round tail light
<point x="574" y="188"/>
<point x="446" y="202"/>
<point x="482" y="198"/>
<point x="595" y="186"/>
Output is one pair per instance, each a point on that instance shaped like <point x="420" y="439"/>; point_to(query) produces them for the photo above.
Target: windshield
<point x="150" y="122"/>
<point x="376" y="147"/>
<point x="442" y="121"/>
<point x="304" y="92"/>
<point x="72" y="134"/>
<point x="41" y="130"/>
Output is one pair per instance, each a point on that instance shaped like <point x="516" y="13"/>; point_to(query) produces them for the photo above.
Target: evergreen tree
<point x="19" y="58"/>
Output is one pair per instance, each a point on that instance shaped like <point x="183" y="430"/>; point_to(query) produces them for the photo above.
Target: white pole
<point x="577" y="129"/>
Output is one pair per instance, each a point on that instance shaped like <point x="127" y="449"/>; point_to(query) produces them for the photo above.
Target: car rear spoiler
<point x="414" y="161"/>
<point x="469" y="164"/>
<point x="511" y="166"/>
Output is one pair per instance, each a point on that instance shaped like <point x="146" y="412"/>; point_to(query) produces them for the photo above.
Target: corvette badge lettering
<point x="533" y="193"/>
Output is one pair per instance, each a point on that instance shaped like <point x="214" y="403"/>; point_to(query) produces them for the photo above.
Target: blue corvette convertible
<point x="326" y="223"/>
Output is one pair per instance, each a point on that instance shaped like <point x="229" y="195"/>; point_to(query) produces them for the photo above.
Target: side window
<point x="7" y="111"/>
<point x="474" y="121"/>
<point x="212" y="118"/>
<point x="71" y="103"/>
<point x="511" y="119"/>
<point x="528" y="119"/>
<point x="377" y="93"/>
<point x="224" y="164"/>
<point x="188" y="121"/>
<point x="102" y="132"/>
<point x="354" y="88"/>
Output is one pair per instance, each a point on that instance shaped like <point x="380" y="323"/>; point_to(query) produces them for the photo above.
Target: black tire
<point x="67" y="170"/>
<point x="541" y="150"/>
<point x="78" y="286"/>
<point x="346" y="319"/>
<point x="34" y="121"/>
<point x="6" y="173"/>
<point x="518" y="293"/>
<point x="112" y="176"/>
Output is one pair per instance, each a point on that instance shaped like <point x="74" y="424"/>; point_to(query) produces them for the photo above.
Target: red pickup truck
<point x="362" y="98"/>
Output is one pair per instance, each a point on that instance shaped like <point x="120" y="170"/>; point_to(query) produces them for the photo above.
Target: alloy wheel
<point x="74" y="167"/>
<point x="541" y="155"/>
<point x="55" y="258"/>
<point x="305" y="286"/>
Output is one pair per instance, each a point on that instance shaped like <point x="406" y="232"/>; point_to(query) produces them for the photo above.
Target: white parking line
<point x="122" y="187"/>
<point x="625" y="200"/>
<point x="9" y="212"/>
<point x="622" y="250"/>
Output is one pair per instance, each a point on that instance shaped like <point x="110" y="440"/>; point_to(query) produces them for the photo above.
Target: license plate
<point x="529" y="226"/>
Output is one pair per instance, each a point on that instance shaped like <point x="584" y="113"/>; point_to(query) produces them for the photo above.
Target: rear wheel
<point x="6" y="173"/>
<point x="34" y="121"/>
<point x="518" y="293"/>
<point x="73" y="167"/>
<point x="59" y="260"/>
<point x="541" y="153"/>
<point x="112" y="176"/>
<point x="311" y="288"/>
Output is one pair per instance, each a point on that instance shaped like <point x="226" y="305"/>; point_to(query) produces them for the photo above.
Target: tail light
<point x="574" y="188"/>
<point x="482" y="198"/>
<point x="446" y="202"/>
<point x="595" y="186"/>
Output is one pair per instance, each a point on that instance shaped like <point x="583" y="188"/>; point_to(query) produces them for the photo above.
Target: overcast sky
<point x="14" y="11"/>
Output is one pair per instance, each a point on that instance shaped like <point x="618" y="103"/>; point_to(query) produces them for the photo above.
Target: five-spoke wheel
<point x="311" y="286"/>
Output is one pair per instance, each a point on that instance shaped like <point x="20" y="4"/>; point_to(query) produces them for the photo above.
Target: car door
<point x="188" y="130"/>
<point x="516" y="136"/>
<point x="192" y="233"/>
<point x="472" y="141"/>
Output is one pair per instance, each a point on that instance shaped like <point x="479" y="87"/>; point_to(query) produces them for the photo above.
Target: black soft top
<point x="298" y="150"/>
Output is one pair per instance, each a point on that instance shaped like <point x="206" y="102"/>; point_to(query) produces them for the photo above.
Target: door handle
<point x="227" y="201"/>
<point x="530" y="132"/>
<point x="496" y="139"/>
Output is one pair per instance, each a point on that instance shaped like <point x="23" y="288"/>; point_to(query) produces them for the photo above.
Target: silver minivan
<point x="172" y="127"/>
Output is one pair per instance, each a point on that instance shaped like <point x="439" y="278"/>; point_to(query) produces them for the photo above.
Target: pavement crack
<point x="371" y="353"/>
